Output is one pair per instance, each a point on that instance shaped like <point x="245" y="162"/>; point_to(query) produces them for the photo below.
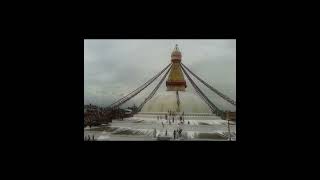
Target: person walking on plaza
<point x="166" y="133"/>
<point x="174" y="134"/>
<point x="178" y="133"/>
<point x="154" y="133"/>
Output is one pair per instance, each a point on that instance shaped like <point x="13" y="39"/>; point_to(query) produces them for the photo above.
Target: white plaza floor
<point x="144" y="127"/>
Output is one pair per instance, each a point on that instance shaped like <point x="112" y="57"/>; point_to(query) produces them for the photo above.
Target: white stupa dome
<point x="164" y="101"/>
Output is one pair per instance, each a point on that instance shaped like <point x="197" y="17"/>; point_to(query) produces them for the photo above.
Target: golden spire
<point x="176" y="80"/>
<point x="176" y="48"/>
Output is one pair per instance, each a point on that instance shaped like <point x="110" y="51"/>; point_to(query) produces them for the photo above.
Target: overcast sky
<point x="113" y="68"/>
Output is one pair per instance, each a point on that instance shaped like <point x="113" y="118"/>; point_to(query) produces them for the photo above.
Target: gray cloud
<point x="113" y="68"/>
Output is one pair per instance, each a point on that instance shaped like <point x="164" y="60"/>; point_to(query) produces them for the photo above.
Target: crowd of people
<point x="172" y="118"/>
<point x="177" y="133"/>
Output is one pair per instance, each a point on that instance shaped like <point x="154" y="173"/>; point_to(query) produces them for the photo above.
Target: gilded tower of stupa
<point x="176" y="81"/>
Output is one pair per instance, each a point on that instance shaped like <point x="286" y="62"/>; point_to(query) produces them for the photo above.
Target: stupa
<point x="176" y="97"/>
